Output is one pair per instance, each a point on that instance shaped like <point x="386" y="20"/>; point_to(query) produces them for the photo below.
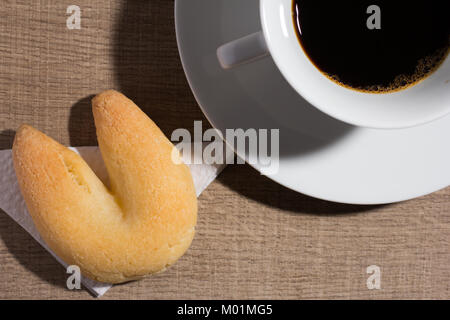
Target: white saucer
<point x="320" y="156"/>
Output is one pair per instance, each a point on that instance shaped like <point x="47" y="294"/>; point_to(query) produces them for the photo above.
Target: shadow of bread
<point x="6" y="139"/>
<point x="81" y="124"/>
<point x="30" y="254"/>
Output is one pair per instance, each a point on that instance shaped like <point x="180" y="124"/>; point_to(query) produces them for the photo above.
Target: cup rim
<point x="337" y="92"/>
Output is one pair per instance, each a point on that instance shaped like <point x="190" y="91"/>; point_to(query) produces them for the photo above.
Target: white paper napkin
<point x="12" y="202"/>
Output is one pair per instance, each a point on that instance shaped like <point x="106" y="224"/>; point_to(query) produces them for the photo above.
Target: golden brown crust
<point x="143" y="224"/>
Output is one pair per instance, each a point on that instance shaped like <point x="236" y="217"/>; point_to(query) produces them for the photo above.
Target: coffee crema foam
<point x="425" y="67"/>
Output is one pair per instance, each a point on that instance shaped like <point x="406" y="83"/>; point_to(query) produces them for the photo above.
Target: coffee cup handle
<point x="247" y="49"/>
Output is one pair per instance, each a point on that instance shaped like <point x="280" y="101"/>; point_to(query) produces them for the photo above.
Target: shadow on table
<point x="81" y="124"/>
<point x="249" y="183"/>
<point x="147" y="65"/>
<point x="29" y="253"/>
<point x="7" y="139"/>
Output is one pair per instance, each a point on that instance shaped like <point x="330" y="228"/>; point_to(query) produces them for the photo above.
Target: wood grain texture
<point x="255" y="238"/>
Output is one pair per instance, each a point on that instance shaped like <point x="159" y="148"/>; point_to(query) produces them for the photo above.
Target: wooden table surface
<point x="255" y="239"/>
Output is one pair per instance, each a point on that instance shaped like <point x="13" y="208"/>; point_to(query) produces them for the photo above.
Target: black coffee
<point x="375" y="46"/>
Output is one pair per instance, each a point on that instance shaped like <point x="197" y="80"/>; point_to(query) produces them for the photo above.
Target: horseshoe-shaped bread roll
<point x="141" y="225"/>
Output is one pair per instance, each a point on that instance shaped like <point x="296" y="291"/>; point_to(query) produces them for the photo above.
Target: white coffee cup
<point x="426" y="101"/>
